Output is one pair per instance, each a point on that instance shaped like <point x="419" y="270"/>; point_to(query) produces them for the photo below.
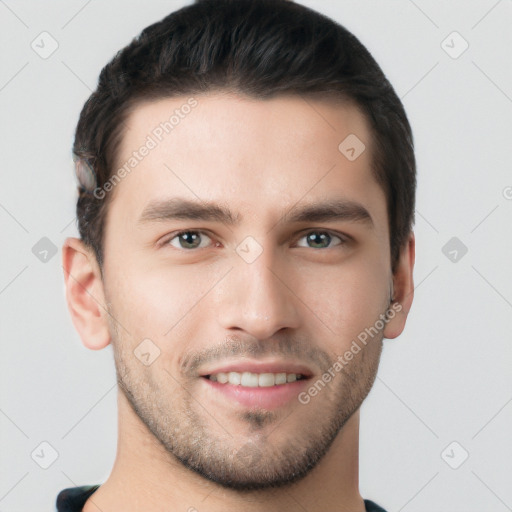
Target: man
<point x="246" y="202"/>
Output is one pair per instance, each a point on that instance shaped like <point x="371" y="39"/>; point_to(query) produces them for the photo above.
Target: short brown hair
<point x="261" y="48"/>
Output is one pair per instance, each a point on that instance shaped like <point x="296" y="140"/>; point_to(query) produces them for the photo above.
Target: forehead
<point x="261" y="156"/>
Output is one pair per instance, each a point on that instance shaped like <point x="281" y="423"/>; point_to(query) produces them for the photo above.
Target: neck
<point x="146" y="477"/>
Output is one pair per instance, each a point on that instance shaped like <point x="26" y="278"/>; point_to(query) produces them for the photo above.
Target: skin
<point x="181" y="444"/>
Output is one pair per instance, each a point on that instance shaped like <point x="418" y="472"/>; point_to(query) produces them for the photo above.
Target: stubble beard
<point x="266" y="456"/>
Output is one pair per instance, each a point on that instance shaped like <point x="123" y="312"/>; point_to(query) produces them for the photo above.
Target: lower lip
<point x="270" y="397"/>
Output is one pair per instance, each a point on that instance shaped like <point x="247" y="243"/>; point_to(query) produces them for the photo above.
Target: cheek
<point x="157" y="302"/>
<point x="347" y="297"/>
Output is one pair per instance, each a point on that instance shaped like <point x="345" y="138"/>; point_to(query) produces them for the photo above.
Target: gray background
<point x="446" y="379"/>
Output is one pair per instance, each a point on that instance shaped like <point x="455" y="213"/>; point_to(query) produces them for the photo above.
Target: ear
<point x="85" y="294"/>
<point x="403" y="286"/>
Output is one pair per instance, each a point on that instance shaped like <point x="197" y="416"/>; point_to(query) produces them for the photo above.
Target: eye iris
<point x="316" y="239"/>
<point x="189" y="238"/>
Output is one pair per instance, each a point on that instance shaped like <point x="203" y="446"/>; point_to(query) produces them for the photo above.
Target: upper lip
<point x="259" y="367"/>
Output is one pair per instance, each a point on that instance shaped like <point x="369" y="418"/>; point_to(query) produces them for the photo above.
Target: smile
<point x="254" y="380"/>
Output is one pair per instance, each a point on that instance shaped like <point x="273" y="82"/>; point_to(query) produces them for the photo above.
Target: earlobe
<point x="84" y="294"/>
<point x="403" y="285"/>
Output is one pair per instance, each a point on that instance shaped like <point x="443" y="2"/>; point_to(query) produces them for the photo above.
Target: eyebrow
<point x="186" y="209"/>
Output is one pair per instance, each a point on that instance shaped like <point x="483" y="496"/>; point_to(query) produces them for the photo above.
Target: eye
<point x="188" y="240"/>
<point x="191" y="239"/>
<point x="321" y="240"/>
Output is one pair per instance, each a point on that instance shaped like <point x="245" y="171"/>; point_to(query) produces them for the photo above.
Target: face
<point x="246" y="247"/>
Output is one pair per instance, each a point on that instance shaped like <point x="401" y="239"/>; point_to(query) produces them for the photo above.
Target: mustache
<point x="284" y="347"/>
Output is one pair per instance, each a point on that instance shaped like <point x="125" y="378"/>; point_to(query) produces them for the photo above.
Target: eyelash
<point x="172" y="236"/>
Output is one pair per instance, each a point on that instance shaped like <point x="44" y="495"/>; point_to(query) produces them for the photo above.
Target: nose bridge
<point x="256" y="298"/>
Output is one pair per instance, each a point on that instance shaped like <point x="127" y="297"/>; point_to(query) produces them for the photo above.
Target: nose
<point x="258" y="298"/>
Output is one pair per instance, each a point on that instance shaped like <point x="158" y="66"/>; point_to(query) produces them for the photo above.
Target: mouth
<point x="256" y="384"/>
<point x="255" y="380"/>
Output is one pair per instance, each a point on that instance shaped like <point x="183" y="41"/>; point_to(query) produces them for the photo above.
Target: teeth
<point x="248" y="379"/>
<point x="280" y="378"/>
<point x="266" y="379"/>
<point x="234" y="378"/>
<point x="253" y="380"/>
<point x="221" y="377"/>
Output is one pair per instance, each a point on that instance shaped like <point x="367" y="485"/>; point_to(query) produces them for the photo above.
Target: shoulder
<point x="372" y="506"/>
<point x="73" y="499"/>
